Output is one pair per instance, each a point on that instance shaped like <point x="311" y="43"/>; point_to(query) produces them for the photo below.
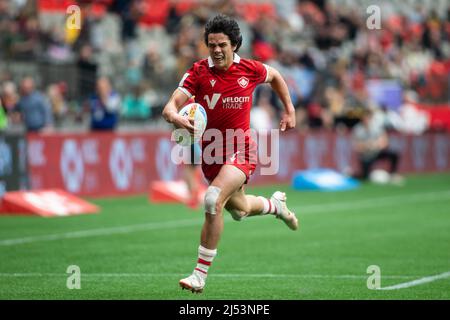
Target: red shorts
<point x="244" y="159"/>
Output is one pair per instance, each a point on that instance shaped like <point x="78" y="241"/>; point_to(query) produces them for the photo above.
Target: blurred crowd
<point x="129" y="55"/>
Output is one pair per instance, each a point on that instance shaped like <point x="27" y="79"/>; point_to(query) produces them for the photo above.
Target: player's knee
<point x="212" y="202"/>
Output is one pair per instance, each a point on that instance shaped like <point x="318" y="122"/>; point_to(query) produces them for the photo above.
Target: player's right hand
<point x="183" y="122"/>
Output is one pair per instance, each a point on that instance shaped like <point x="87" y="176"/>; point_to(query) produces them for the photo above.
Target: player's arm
<point x="281" y="89"/>
<point x="170" y="111"/>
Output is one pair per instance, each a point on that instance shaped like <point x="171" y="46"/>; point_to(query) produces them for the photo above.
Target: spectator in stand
<point x="23" y="38"/>
<point x="135" y="105"/>
<point x="3" y="118"/>
<point x="87" y="69"/>
<point x="371" y="143"/>
<point x="34" y="108"/>
<point x="262" y="114"/>
<point x="130" y="12"/>
<point x="55" y="94"/>
<point x="104" y="106"/>
<point x="6" y="20"/>
<point x="412" y="46"/>
<point x="9" y="99"/>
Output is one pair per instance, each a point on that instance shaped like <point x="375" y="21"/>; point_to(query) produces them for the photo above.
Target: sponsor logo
<point x="213" y="101"/>
<point x="213" y="82"/>
<point x="36" y="154"/>
<point x="233" y="157"/>
<point x="234" y="102"/>
<point x="164" y="166"/>
<point x="420" y="152"/>
<point x="315" y="151"/>
<point x="121" y="164"/>
<point x="72" y="165"/>
<point x="227" y="102"/>
<point x="441" y="152"/>
<point x="342" y="153"/>
<point x="192" y="112"/>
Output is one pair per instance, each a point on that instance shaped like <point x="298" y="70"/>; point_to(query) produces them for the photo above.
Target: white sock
<point x="205" y="258"/>
<point x="268" y="206"/>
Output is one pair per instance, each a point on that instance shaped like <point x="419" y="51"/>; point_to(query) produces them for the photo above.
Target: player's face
<point x="220" y="50"/>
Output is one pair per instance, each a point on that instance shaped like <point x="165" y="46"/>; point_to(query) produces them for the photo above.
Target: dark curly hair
<point x="226" y="25"/>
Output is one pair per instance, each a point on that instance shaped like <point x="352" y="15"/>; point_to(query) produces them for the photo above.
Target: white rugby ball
<point x="196" y="112"/>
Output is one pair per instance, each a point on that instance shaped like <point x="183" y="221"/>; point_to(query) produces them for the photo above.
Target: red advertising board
<point x="107" y="164"/>
<point x="99" y="164"/>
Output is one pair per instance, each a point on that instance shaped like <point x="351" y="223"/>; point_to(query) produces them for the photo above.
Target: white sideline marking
<point x="417" y="282"/>
<point x="319" y="208"/>
<point x="103" y="231"/>
<point x="223" y="275"/>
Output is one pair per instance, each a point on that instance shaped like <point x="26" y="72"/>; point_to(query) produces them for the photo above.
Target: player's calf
<point x="237" y="215"/>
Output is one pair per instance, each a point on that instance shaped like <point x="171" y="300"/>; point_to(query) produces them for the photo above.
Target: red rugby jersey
<point x="225" y="95"/>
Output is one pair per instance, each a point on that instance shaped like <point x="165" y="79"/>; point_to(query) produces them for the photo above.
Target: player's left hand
<point x="287" y="121"/>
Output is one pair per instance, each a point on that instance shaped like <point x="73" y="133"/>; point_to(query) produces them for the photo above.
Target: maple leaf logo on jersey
<point x="243" y="82"/>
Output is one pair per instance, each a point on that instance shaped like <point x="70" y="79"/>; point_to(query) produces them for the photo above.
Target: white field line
<point x="223" y="275"/>
<point x="309" y="209"/>
<point x="103" y="231"/>
<point x="417" y="282"/>
<point x="93" y="276"/>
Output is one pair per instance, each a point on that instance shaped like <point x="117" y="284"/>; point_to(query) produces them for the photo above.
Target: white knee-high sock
<point x="268" y="206"/>
<point x="205" y="258"/>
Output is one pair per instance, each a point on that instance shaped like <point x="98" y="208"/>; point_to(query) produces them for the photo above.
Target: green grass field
<point x="137" y="250"/>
